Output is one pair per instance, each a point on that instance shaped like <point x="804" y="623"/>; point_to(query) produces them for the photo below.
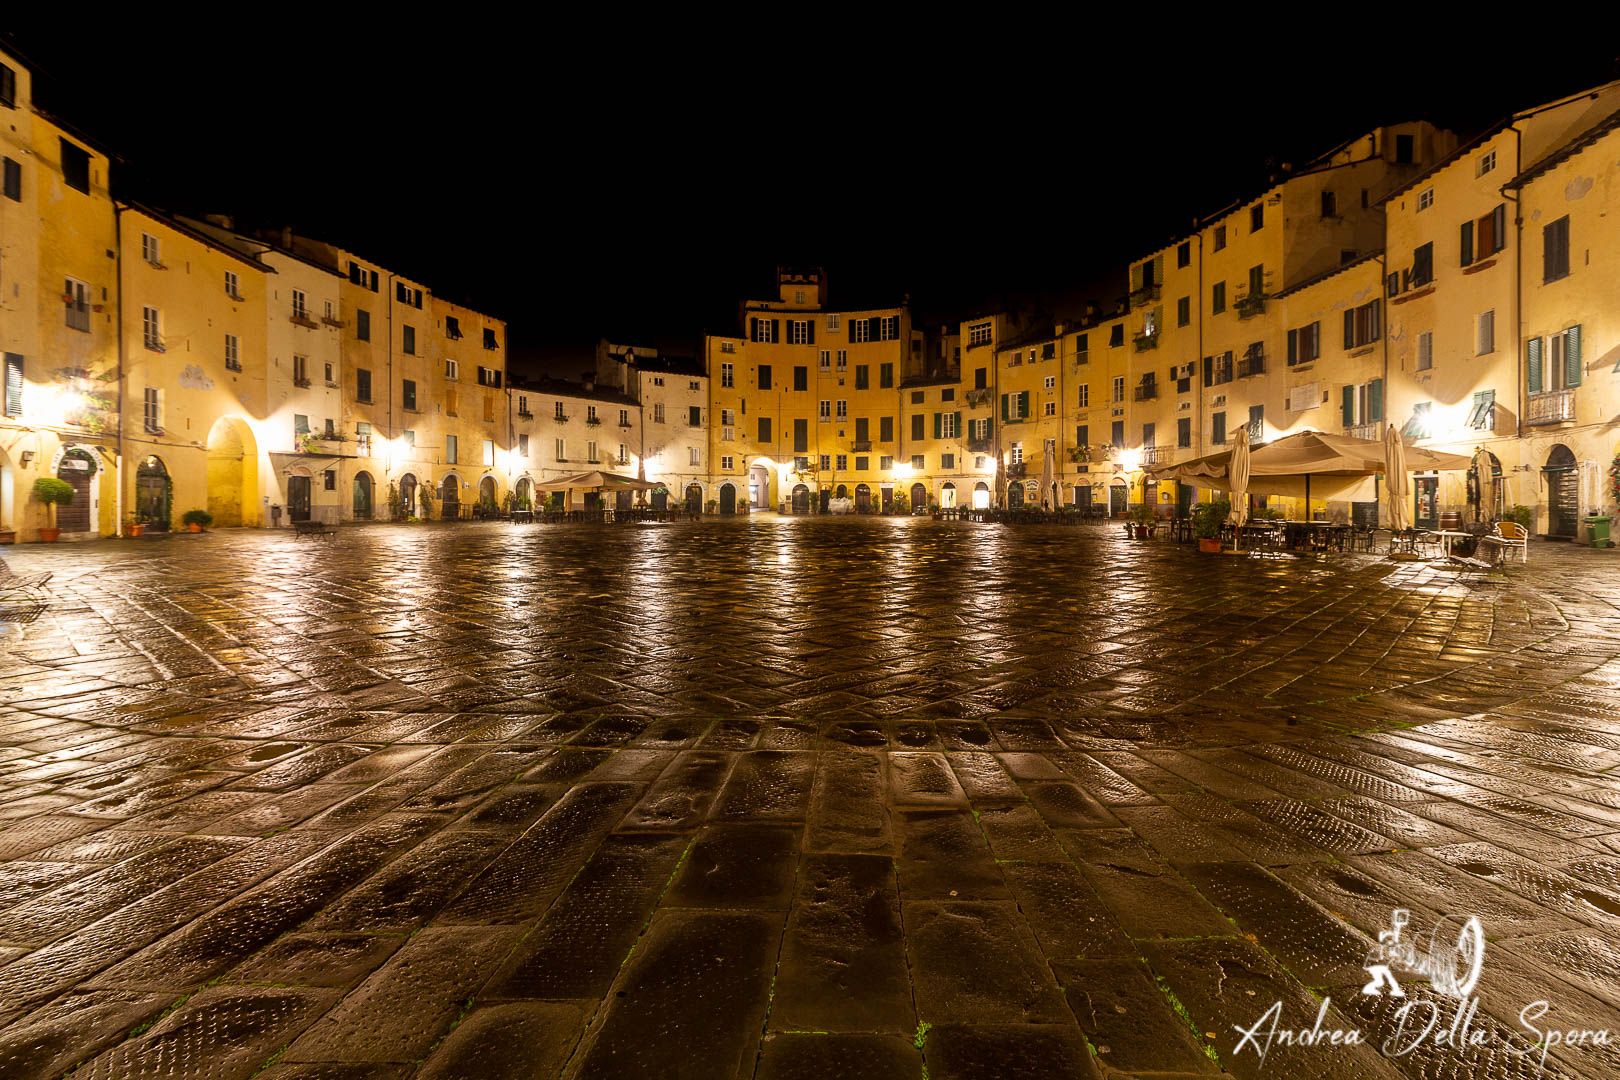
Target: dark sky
<point x="633" y="180"/>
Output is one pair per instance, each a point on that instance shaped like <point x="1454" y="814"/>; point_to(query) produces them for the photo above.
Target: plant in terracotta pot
<point x="1207" y="518"/>
<point x="197" y="520"/>
<point x="1142" y="518"/>
<point x="53" y="493"/>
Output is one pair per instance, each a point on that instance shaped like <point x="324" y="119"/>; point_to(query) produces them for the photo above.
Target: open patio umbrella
<point x="1395" y="478"/>
<point x="1047" y="468"/>
<point x="1335" y="466"/>
<point x="1238" y="475"/>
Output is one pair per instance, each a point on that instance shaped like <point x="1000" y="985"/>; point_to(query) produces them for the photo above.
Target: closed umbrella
<point x="1047" y="483"/>
<point x="1486" y="484"/>
<point x="1395" y="478"/>
<point x="1237" y="472"/>
<point x="1001" y="481"/>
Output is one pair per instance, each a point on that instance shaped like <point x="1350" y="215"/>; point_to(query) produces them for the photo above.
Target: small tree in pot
<point x="1207" y="519"/>
<point x="53" y="493"/>
<point x="197" y="520"/>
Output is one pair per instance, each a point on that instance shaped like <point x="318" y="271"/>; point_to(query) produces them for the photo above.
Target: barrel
<point x="1451" y="520"/>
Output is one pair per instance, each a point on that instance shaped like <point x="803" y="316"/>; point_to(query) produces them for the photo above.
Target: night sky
<point x="618" y="182"/>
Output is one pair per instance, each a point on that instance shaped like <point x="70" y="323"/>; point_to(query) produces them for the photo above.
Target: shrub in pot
<point x="197" y="520"/>
<point x="1207" y="519"/>
<point x="1142" y="517"/>
<point x="53" y="493"/>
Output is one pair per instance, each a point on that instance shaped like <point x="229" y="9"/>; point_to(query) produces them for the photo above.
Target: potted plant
<point x="1143" y="518"/>
<point x="137" y="525"/>
<point x="197" y="520"/>
<point x="53" y="493"/>
<point x="714" y="506"/>
<point x="1522" y="514"/>
<point x="1207" y="519"/>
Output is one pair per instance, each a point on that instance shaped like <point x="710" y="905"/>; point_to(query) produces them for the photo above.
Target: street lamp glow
<point x="1131" y="459"/>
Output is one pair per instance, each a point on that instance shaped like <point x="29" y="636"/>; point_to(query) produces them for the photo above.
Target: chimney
<point x="286" y="238"/>
<point x="224" y="221"/>
<point x="590" y="380"/>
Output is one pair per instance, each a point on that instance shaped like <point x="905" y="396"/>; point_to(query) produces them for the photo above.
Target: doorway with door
<point x="1563" y="494"/>
<point x="1426" y="504"/>
<point x="78" y="469"/>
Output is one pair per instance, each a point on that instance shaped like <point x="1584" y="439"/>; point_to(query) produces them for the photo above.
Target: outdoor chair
<point x="13" y="582"/>
<point x="1509" y="535"/>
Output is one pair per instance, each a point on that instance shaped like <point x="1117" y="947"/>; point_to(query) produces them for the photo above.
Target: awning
<point x="283" y="460"/>
<point x="1334" y="466"/>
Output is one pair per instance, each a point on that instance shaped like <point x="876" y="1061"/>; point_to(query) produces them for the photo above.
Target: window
<point x="1184" y="254"/>
<point x="1217" y="427"/>
<point x="1017" y="454"/>
<point x="590" y="453"/>
<point x="861" y="381"/>
<point x="726" y="374"/>
<point x="1184" y="311"/>
<point x="362" y="385"/>
<point x="523" y="446"/>
<point x="410" y="438"/>
<point x="825" y="411"/>
<point x="1257" y="216"/>
<point x="1425" y="199"/>
<point x="330" y="476"/>
<point x="450" y="449"/>
<point x="843" y="462"/>
<point x="489" y="452"/>
<point x="1555" y="250"/>
<point x="694" y="416"/>
<point x="765" y="430"/>
<point x="885" y="376"/>
<point x="489" y="339"/>
<point x="694" y="456"/>
<point x="1116" y="335"/>
<point x="947" y="462"/>
<point x="1562" y="355"/>
<point x="149" y="249"/>
<point x="1421" y="424"/>
<point x="764" y="330"/>
<point x="407" y="344"/>
<point x="1483" y="414"/>
<point x="889" y="328"/>
<point x="1422" y="265"/>
<point x="801" y="435"/>
<point x="624" y="417"/>
<point x="13" y="181"/>
<point x="408" y="394"/>
<point x="407" y="295"/>
<point x="658" y="412"/>
<point x="1363" y="404"/>
<point x="833" y="322"/>
<point x="233" y="286"/>
<point x="885" y="429"/>
<point x="75" y="167"/>
<point x="489" y="408"/>
<point x="362" y="326"/>
<point x="981" y="378"/>
<point x="362" y="439"/>
<point x="301" y="371"/>
<point x="590" y="414"/>
<point x="843" y="411"/>
<point x="1183" y="432"/>
<point x="801" y="377"/>
<point x="826" y="461"/>
<point x="1425" y="350"/>
<point x="1362" y="325"/>
<point x="948" y="394"/>
<point x="1085" y="396"/>
<point x="557" y="411"/>
<point x="366" y="279"/>
<point x="1217" y="298"/>
<point x="151" y="329"/>
<point x="14" y="384"/>
<point x="152" y="411"/>
<point x="1485" y="237"/>
<point x="1330" y="205"/>
<point x="843" y="360"/>
<point x="489" y="376"/>
<point x="764" y="376"/>
<point x="1149" y="435"/>
<point x="300" y="305"/>
<point x="693" y="385"/>
<point x="300" y="424"/>
<point x="1487" y="332"/>
<point x="800" y="331"/>
<point x="233" y="354"/>
<point x="728" y="346"/>
<point x="8" y="87"/>
<point x="979" y="335"/>
<point x="917" y="422"/>
<point x="826" y="360"/>
<point x="1220" y="237"/>
<point x="1050" y="409"/>
<point x="917" y="462"/>
<point x="1119" y="389"/>
<point x="1049" y="383"/>
<point x="562" y="450"/>
<point x="1403" y="150"/>
<point x="1485" y="163"/>
<point x="1257" y="422"/>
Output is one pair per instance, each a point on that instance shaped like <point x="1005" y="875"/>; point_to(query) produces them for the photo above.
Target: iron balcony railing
<point x="1552" y="407"/>
<point x="1146" y="392"/>
<point x="1365" y="431"/>
<point x="1157" y="455"/>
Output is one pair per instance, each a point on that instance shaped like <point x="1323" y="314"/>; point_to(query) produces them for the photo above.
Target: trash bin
<point x="1598" y="532"/>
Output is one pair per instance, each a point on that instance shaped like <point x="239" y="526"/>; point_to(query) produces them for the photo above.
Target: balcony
<point x="1552" y="407"/>
<point x="1143" y="342"/>
<point x="300" y="318"/>
<point x="978" y="446"/>
<point x="1015" y="470"/>
<point x="594" y="421"/>
<point x="1147" y="294"/>
<point x="861" y="446"/>
<point x="525" y="414"/>
<point x="1366" y="431"/>
<point x="1251" y="365"/>
<point x="979" y="396"/>
<point x="1148" y="391"/>
<point x="561" y="418"/>
<point x="1157" y="455"/>
<point x="1250" y="306"/>
<point x="301" y="382"/>
<point x="332" y="321"/>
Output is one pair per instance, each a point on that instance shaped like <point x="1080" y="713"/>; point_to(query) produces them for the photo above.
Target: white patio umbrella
<point x="1485" y="480"/>
<point x="1237" y="472"/>
<point x="1048" y="467"/>
<point x="1395" y="478"/>
<point x="1001" y="481"/>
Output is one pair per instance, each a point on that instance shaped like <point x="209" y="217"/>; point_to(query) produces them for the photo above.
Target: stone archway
<point x="407" y="495"/>
<point x="364" y="496"/>
<point x="1563" y="493"/>
<point x="78" y="468"/>
<point x="450" y="498"/>
<point x="947" y="496"/>
<point x="981" y="496"/>
<point x="919" y="497"/>
<point x="233" y="480"/>
<point x="694" y="498"/>
<point x="154" y="499"/>
<point x="728" y="499"/>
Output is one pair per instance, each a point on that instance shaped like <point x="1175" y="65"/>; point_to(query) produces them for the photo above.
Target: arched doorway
<point x="1082" y="495"/>
<point x="450" y="498"/>
<point x="947" y="496"/>
<point x="863" y="499"/>
<point x="153" y="494"/>
<point x="486" y="493"/>
<point x="919" y="498"/>
<point x="1118" y="495"/>
<point x="801" y="499"/>
<point x="232" y="472"/>
<point x="407" y="495"/>
<point x="842" y="492"/>
<point x="660" y="498"/>
<point x="298" y="494"/>
<point x="981" y="495"/>
<point x="1015" y="496"/>
<point x="728" y="499"/>
<point x="78" y="468"/>
<point x="362" y="496"/>
<point x="759" y="487"/>
<point x="694" y="499"/>
<point x="523" y="494"/>
<point x="1563" y="493"/>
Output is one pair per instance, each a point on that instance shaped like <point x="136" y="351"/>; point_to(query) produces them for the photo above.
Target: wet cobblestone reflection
<point x="787" y="798"/>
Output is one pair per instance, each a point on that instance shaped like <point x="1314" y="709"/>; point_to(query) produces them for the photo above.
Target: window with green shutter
<point x="1023" y="404"/>
<point x="1532" y="364"/>
<point x="1572" y="357"/>
<point x="1375" y="401"/>
<point x="14" y="384"/>
<point x="1348" y="407"/>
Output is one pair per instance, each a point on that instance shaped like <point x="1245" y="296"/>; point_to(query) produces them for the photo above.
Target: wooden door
<point x="297" y="498"/>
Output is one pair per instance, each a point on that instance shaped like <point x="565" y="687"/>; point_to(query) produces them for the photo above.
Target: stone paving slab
<point x="787" y="799"/>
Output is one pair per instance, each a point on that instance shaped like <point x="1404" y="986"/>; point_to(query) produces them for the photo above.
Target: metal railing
<point x="1157" y="455"/>
<point x="1372" y="431"/>
<point x="1552" y="407"/>
<point x="1145" y="392"/>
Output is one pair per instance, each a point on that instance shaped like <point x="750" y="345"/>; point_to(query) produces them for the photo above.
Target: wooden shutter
<point x="1468" y="243"/>
<point x="1349" y="328"/>
<point x="1499" y="228"/>
<point x="938" y="426"/>
<point x="810" y="331"/>
<point x="1209" y="361"/>
<point x="1532" y="364"/>
<point x="14" y="384"/>
<point x="776" y="331"/>
<point x="753" y="329"/>
<point x="957" y="425"/>
<point x="1349" y="406"/>
<point x="1572" y="357"/>
<point x="1004" y="408"/>
<point x="1023" y="404"/>
<point x="874" y="329"/>
<point x="1487" y="235"/>
<point x="1375" y="401"/>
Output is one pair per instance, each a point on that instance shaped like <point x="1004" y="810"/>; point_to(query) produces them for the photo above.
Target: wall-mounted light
<point x="27" y="456"/>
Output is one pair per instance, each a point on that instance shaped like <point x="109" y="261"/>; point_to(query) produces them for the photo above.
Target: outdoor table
<point x="522" y="515"/>
<point x="1447" y="536"/>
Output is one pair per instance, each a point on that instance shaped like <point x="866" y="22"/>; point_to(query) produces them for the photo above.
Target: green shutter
<point x="989" y="428"/>
<point x="1375" y="401"/>
<point x="1349" y="406"/>
<point x="1003" y="408"/>
<point x="1572" y="357"/>
<point x="1532" y="364"/>
<point x="957" y="425"/>
<point x="1023" y="404"/>
<point x="937" y="429"/>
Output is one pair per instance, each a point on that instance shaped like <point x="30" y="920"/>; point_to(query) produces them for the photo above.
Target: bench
<point x="11" y="581"/>
<point x="302" y="529"/>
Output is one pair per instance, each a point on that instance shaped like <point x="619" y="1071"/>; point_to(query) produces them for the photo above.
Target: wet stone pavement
<point x="791" y="799"/>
